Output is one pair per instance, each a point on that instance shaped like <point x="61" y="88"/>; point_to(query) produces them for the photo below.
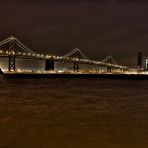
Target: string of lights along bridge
<point x="13" y="48"/>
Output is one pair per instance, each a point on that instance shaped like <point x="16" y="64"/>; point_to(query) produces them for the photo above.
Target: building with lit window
<point x="146" y="63"/>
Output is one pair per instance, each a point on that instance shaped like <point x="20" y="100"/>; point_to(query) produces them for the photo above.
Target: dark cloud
<point x="115" y="27"/>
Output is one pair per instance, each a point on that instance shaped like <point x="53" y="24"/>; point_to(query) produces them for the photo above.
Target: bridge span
<point x="13" y="48"/>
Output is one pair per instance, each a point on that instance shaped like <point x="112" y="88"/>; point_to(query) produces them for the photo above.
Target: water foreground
<point x="77" y="75"/>
<point x="142" y="75"/>
<point x="73" y="113"/>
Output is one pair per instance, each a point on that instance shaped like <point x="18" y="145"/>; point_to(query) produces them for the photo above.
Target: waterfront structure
<point x="76" y="57"/>
<point x="146" y="62"/>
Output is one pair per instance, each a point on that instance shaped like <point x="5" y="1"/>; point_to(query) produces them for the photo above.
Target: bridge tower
<point x="11" y="54"/>
<point x="109" y="69"/>
<point x="78" y="55"/>
<point x="110" y="60"/>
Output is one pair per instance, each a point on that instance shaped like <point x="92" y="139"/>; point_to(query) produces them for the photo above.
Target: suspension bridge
<point x="12" y="48"/>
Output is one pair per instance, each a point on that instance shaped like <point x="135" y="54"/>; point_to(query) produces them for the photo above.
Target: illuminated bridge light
<point x="49" y="56"/>
<point x="1" y="51"/>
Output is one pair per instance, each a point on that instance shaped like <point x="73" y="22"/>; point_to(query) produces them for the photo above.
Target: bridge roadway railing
<point x="60" y="59"/>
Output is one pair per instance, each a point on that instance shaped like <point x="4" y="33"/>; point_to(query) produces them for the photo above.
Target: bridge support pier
<point x="11" y="63"/>
<point x="109" y="69"/>
<point x="49" y="65"/>
<point x="76" y="66"/>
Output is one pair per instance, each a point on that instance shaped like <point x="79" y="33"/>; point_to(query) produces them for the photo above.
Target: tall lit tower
<point x="139" y="59"/>
<point x="146" y="64"/>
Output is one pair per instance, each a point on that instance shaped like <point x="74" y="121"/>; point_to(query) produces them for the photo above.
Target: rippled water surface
<point x="73" y="113"/>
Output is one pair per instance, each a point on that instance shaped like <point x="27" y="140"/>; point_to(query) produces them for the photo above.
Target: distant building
<point x="139" y="60"/>
<point x="146" y="64"/>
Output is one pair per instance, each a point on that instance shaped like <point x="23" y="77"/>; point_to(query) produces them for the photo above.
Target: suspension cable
<point x="21" y="47"/>
<point x="69" y="54"/>
<point x="74" y="51"/>
<point x="82" y="54"/>
<point x="106" y="58"/>
<point x="4" y="42"/>
<point x="29" y="50"/>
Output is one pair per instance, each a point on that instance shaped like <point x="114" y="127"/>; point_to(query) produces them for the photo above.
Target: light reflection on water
<point x="73" y="113"/>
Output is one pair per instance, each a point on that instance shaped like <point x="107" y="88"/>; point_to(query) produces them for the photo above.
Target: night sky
<point x="97" y="27"/>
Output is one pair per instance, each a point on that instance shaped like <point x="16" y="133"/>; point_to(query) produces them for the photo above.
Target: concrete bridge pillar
<point x="11" y="66"/>
<point x="76" y="66"/>
<point x="49" y="65"/>
<point x="109" y="69"/>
